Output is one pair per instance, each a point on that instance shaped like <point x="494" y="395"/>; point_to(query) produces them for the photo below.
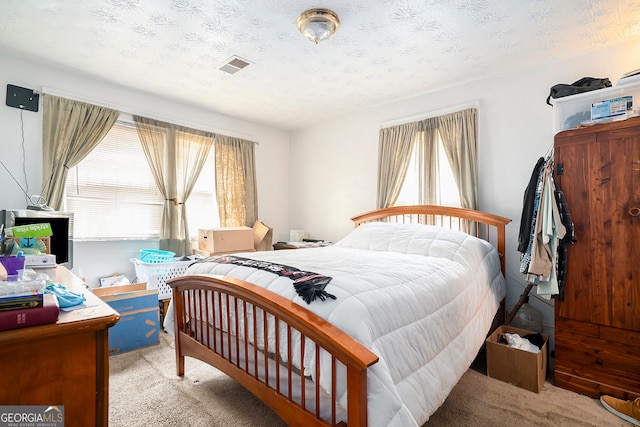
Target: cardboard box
<point x="139" y="323"/>
<point x="201" y="252"/>
<point x="225" y="240"/>
<point x="518" y="367"/>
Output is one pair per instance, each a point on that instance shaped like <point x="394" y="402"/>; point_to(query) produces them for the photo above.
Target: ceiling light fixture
<point x="318" y="24"/>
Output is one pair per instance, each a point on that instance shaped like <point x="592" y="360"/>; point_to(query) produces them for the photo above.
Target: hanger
<point x="549" y="154"/>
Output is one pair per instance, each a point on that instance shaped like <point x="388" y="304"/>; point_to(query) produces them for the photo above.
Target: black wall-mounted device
<point x="23" y="98"/>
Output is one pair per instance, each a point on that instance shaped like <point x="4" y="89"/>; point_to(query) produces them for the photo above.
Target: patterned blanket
<point x="308" y="285"/>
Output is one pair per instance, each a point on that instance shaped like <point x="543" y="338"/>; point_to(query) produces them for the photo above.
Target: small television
<point x="61" y="240"/>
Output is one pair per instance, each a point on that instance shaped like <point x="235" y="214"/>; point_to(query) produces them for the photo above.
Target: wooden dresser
<point x="65" y="363"/>
<point x="597" y="325"/>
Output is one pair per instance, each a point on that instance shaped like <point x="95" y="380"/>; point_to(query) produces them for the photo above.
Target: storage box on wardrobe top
<point x="570" y="111"/>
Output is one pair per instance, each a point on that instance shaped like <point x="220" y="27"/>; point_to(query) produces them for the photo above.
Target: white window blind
<point x="114" y="196"/>
<point x="112" y="192"/>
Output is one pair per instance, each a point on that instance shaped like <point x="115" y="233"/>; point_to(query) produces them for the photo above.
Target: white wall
<point x="98" y="259"/>
<point x="333" y="164"/>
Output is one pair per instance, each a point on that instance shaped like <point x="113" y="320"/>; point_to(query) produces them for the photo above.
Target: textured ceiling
<point x="385" y="50"/>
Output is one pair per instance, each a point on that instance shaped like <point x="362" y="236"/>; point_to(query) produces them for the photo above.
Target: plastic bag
<point x="65" y="297"/>
<point x="585" y="84"/>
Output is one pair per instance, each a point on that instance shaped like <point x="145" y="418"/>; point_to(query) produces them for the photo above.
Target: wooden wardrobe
<point x="597" y="324"/>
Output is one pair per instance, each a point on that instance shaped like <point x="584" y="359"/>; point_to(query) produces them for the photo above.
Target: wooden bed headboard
<point x="483" y="225"/>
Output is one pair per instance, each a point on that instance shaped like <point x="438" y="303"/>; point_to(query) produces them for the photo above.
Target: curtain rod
<point x="127" y="110"/>
<point x="428" y="115"/>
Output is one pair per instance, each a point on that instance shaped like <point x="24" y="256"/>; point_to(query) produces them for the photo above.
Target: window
<point x="447" y="189"/>
<point x="202" y="207"/>
<point x="114" y="196"/>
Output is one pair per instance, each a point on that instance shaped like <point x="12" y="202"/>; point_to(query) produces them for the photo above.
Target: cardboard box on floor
<point x="225" y="240"/>
<point x="139" y="323"/>
<point x="521" y="368"/>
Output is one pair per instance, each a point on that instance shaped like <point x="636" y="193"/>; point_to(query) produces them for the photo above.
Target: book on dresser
<point x="23" y="317"/>
<point x="30" y="299"/>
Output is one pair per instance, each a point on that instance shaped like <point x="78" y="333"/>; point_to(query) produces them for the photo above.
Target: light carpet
<point x="144" y="390"/>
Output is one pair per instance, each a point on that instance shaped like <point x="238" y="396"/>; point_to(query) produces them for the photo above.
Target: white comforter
<point x="420" y="297"/>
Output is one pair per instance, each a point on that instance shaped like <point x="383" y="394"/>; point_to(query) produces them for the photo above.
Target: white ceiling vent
<point x="233" y="65"/>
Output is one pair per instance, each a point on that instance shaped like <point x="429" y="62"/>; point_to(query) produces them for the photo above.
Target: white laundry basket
<point x="156" y="274"/>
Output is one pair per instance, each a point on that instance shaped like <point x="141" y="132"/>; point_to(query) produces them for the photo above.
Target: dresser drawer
<point x="598" y="360"/>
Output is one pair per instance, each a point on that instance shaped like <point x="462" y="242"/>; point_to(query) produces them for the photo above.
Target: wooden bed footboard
<point x="241" y="310"/>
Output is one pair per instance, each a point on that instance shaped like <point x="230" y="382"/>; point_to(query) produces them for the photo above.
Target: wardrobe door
<point x="599" y="173"/>
<point x="572" y="157"/>
<point x="617" y="186"/>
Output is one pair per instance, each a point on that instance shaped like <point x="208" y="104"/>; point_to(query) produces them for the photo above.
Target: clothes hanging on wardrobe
<point x="528" y="207"/>
<point x="543" y="226"/>
<point x="529" y="214"/>
<point x="568" y="239"/>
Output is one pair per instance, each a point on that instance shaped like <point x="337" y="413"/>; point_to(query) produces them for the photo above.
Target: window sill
<point x="116" y="239"/>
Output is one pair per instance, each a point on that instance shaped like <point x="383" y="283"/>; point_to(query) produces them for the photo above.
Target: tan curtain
<point x="428" y="165"/>
<point x="176" y="155"/>
<point x="236" y="181"/>
<point x="71" y="129"/>
<point x="192" y="150"/>
<point x="394" y="155"/>
<point x="458" y="134"/>
<point x="154" y="144"/>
